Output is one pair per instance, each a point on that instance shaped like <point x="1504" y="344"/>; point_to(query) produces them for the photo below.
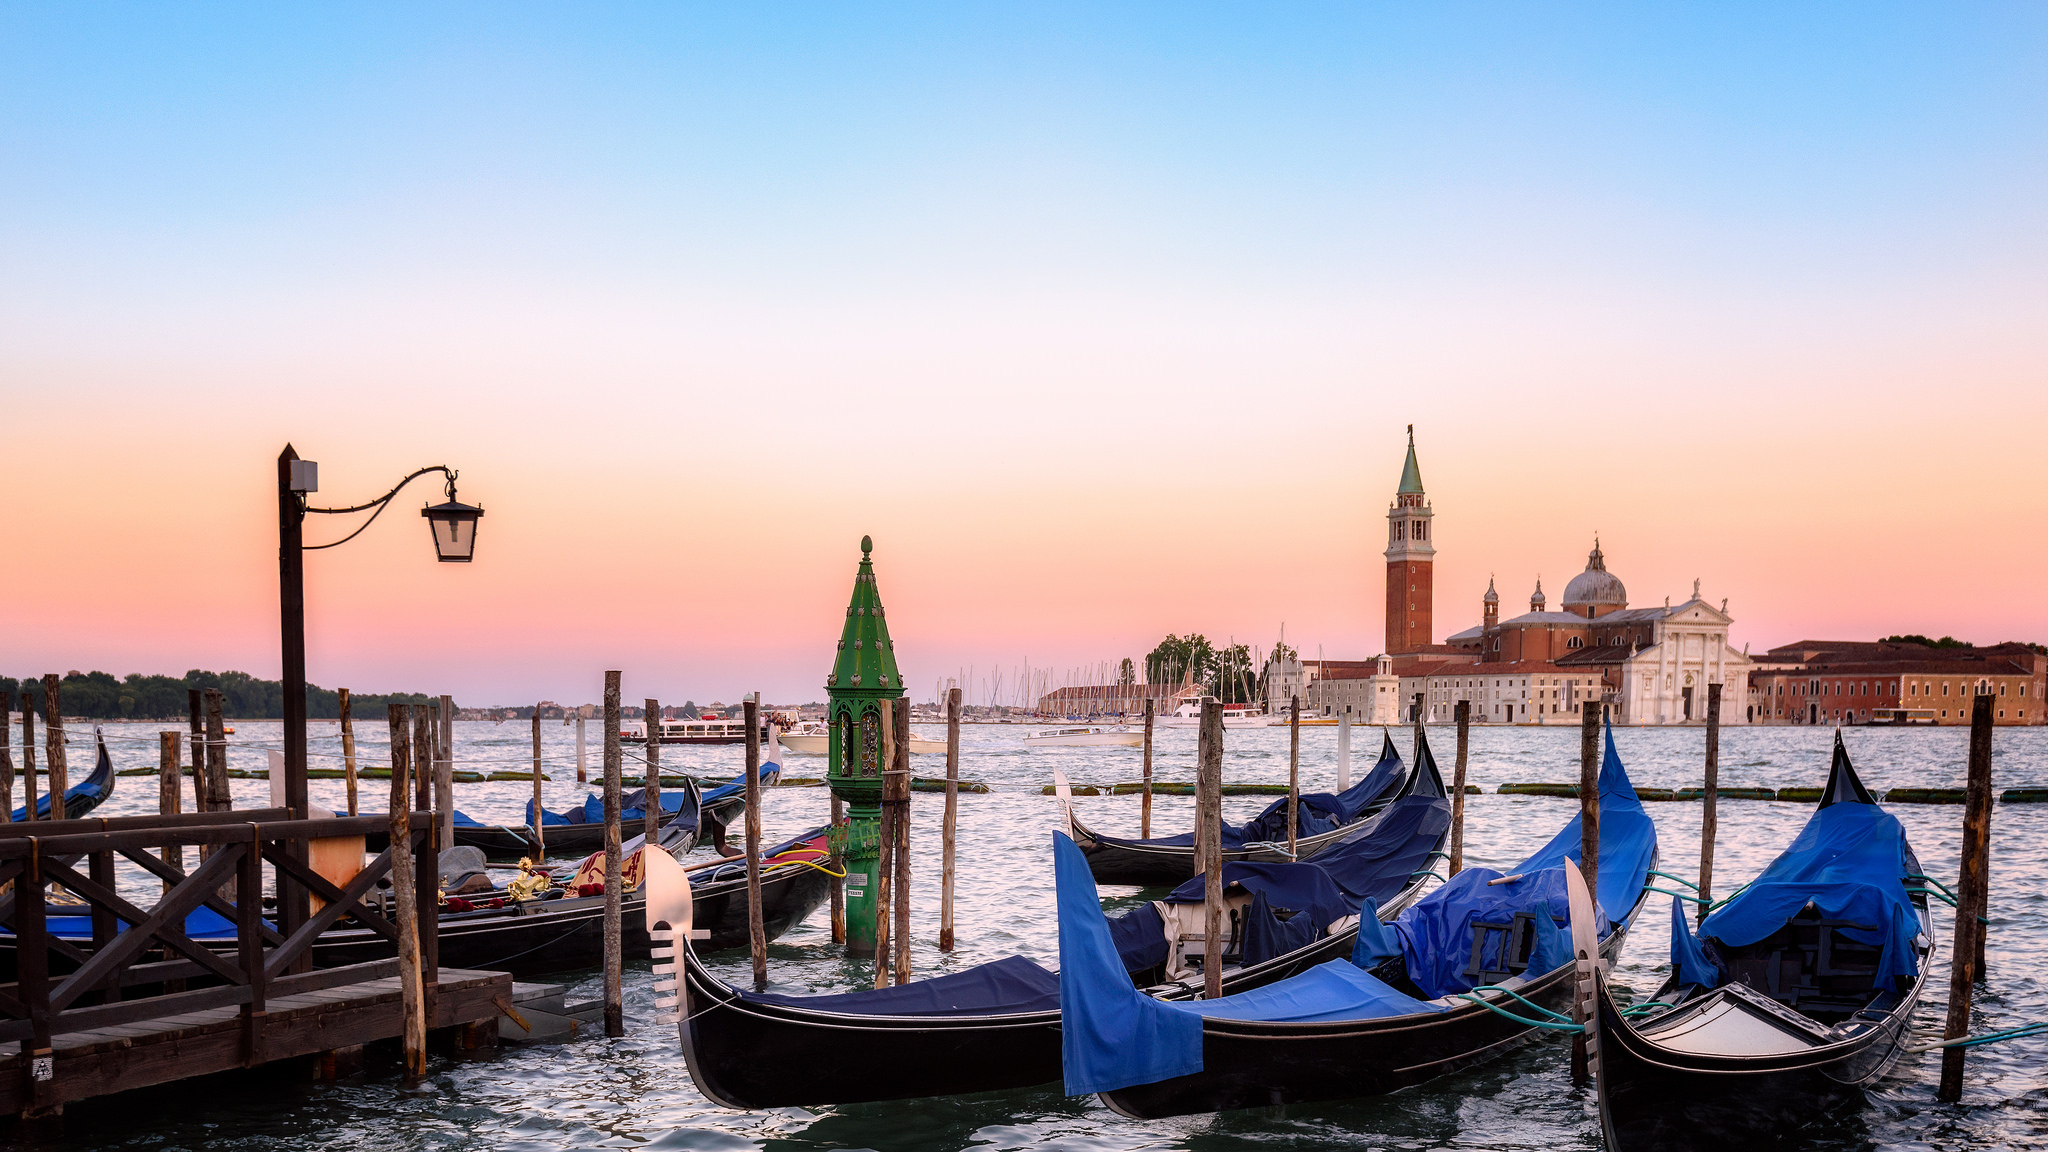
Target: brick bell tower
<point x="1410" y="626"/>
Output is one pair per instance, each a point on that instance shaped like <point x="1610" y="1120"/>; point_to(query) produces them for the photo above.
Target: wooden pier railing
<point x="117" y="959"/>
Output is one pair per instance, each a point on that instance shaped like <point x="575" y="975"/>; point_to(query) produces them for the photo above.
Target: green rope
<point x="1936" y="883"/>
<point x="1680" y="879"/>
<point x="1426" y="872"/>
<point x="1567" y="1026"/>
<point x="1444" y="855"/>
<point x="1521" y="999"/>
<point x="1669" y="892"/>
<point x="1645" y="1008"/>
<point x="2020" y="1033"/>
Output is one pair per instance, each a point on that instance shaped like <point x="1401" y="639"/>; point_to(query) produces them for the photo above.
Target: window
<point x="1944" y="691"/>
<point x="1398" y="525"/>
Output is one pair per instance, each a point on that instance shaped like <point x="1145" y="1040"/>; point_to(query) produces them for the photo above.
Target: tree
<point x="1924" y="642"/>
<point x="1180" y="660"/>
<point x="1127" y="673"/>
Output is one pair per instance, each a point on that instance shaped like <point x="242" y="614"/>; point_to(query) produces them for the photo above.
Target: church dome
<point x="1596" y="586"/>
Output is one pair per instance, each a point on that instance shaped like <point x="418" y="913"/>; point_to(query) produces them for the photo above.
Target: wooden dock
<point x="324" y="1011"/>
<point x="109" y="992"/>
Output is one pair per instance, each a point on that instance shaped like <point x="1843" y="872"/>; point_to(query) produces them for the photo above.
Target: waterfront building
<point x="1127" y="700"/>
<point x="1894" y="682"/>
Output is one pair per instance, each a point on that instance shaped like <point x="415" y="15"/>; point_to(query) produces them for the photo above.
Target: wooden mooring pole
<point x="900" y="778"/>
<point x="405" y="896"/>
<point x="1589" y="855"/>
<point x="170" y="794"/>
<point x="217" y="796"/>
<point x="757" y="933"/>
<point x="582" y="774"/>
<point x="423" y="757"/>
<point x="1973" y="891"/>
<point x="6" y="757"/>
<point x="444" y="773"/>
<point x="1209" y="775"/>
<point x="1344" y="750"/>
<point x="540" y="838"/>
<point x="885" y="843"/>
<point x="650" y="798"/>
<point x="28" y="753"/>
<point x="951" y="819"/>
<point x="1710" y="798"/>
<point x="196" y="723"/>
<point x="1145" y="792"/>
<point x="1463" y="714"/>
<point x="1293" y="771"/>
<point x="614" y="880"/>
<point x="53" y="747"/>
<point x="348" y="749"/>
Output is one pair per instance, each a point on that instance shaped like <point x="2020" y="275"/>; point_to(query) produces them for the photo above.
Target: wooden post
<point x="582" y="775"/>
<point x="757" y="931"/>
<point x="348" y="749"/>
<point x="1589" y="856"/>
<point x="951" y="820"/>
<point x="423" y="757"/>
<point x="405" y="896"/>
<point x="6" y="757"/>
<point x="1210" y="833"/>
<point x="197" y="725"/>
<point x="1293" y="771"/>
<point x="650" y="797"/>
<point x="837" y="862"/>
<point x="169" y="795"/>
<point x="28" y="753"/>
<point x="885" y="865"/>
<point x="1145" y="791"/>
<point x="1463" y="714"/>
<point x="53" y="748"/>
<point x="1973" y="890"/>
<point x="901" y="779"/>
<point x="218" y="798"/>
<point x="614" y="882"/>
<point x="1344" y="751"/>
<point x="540" y="839"/>
<point x="444" y="773"/>
<point x="1711" y="799"/>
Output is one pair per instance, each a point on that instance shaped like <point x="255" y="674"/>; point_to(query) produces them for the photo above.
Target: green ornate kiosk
<point x="863" y="674"/>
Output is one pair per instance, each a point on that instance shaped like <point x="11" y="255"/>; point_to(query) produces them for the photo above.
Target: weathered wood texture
<point x="1145" y="803"/>
<point x="757" y="931"/>
<point x="540" y="844"/>
<point x="1973" y="890"/>
<point x="614" y="876"/>
<point x="1710" y="798"/>
<point x="404" y="892"/>
<point x="55" y="762"/>
<point x="348" y="750"/>
<point x="1293" y="771"/>
<point x="169" y="795"/>
<point x="651" y="804"/>
<point x="6" y="757"/>
<point x="28" y="756"/>
<point x="951" y="819"/>
<point x="1463" y="713"/>
<point x="1210" y="835"/>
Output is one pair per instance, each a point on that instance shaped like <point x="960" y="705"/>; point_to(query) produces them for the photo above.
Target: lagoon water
<point x="636" y="1093"/>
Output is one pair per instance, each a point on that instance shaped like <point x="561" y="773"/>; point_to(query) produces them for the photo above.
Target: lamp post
<point x="453" y="525"/>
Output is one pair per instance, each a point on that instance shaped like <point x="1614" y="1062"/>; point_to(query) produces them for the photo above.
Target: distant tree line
<point x="1227" y="674"/>
<point x="99" y="696"/>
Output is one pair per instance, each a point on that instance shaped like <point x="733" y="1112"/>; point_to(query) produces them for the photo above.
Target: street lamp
<point x="454" y="528"/>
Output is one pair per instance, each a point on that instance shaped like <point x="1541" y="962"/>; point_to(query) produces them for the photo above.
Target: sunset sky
<point x="1104" y="320"/>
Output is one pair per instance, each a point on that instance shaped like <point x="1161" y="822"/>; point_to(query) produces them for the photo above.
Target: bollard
<point x="1973" y="884"/>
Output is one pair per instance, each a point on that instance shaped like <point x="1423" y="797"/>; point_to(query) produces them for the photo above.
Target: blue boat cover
<point x="1298" y="887"/>
<point x="1140" y="937"/>
<point x="1436" y="934"/>
<point x="1111" y="1035"/>
<point x="1376" y="941"/>
<point x="1686" y="954"/>
<point x="1265" y="935"/>
<point x="202" y="924"/>
<point x="1318" y="812"/>
<point x="1012" y="984"/>
<point x="1331" y="991"/>
<point x="463" y="819"/>
<point x="738" y="787"/>
<point x="1850" y="861"/>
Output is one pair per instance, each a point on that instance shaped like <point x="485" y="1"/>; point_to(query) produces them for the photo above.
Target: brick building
<point x="1880" y="682"/>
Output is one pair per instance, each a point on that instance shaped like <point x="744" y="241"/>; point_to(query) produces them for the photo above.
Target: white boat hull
<point x="819" y="745"/>
<point x="1088" y="739"/>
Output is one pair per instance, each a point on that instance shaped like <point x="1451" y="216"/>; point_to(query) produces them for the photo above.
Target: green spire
<point x="866" y="662"/>
<point x="1411" y="474"/>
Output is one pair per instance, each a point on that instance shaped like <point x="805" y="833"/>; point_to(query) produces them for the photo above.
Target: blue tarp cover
<point x="738" y="786"/>
<point x="202" y="924"/>
<point x="1336" y="990"/>
<point x="1140" y="937"/>
<point x="1850" y="860"/>
<point x="1436" y="933"/>
<point x="1012" y="984"/>
<point x="1302" y="887"/>
<point x="1111" y="1035"/>
<point x="1265" y="935"/>
<point x="1319" y="811"/>
<point x="1686" y="954"/>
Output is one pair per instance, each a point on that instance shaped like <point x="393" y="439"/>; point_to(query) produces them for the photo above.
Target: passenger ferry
<point x="1094" y="736"/>
<point x="712" y="731"/>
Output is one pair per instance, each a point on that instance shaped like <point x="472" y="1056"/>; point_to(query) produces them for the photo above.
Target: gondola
<point x="83" y="796"/>
<point x="997" y="1025"/>
<point x="1323" y="820"/>
<point x="1797" y="992"/>
<point x="549" y="935"/>
<point x="1430" y="993"/>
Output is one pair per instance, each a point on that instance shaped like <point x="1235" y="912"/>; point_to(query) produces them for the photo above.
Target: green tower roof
<point x="866" y="661"/>
<point x="1411" y="473"/>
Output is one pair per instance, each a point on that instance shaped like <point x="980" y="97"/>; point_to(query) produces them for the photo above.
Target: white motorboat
<point x="814" y="739"/>
<point x="1092" y="736"/>
<point x="1189" y="715"/>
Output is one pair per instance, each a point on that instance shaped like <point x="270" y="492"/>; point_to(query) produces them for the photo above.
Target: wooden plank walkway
<point x="98" y="1061"/>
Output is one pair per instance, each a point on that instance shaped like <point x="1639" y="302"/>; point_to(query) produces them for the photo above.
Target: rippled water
<point x="635" y="1092"/>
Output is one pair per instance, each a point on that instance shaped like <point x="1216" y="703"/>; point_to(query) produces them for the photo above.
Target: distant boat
<point x="1118" y="737"/>
<point x="1189" y="715"/>
<point x="708" y="731"/>
<point x="813" y="739"/>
